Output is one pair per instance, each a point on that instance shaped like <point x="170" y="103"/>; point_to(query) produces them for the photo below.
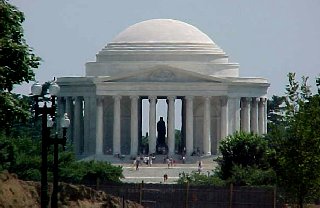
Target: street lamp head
<point x="54" y="89"/>
<point x="65" y="121"/>
<point x="36" y="89"/>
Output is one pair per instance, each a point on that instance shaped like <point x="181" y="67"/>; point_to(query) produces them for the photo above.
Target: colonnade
<point x="87" y="117"/>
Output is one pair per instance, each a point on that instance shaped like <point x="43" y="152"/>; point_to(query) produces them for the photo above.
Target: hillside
<point x="17" y="193"/>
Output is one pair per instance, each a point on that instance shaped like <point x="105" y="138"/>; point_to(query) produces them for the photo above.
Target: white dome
<point x="162" y="31"/>
<point x="160" y="36"/>
<point x="155" y="42"/>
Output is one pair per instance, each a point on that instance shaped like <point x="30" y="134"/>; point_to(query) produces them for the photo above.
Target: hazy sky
<point x="267" y="38"/>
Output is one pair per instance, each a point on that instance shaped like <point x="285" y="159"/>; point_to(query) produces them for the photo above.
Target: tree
<point x="276" y="112"/>
<point x="16" y="65"/>
<point x="242" y="149"/>
<point x="298" y="155"/>
<point x="297" y="146"/>
<point x="22" y="157"/>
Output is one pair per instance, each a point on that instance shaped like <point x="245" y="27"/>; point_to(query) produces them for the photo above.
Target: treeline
<point x="288" y="156"/>
<point x="22" y="156"/>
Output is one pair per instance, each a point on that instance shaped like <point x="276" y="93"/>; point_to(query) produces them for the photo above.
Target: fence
<point x="175" y="195"/>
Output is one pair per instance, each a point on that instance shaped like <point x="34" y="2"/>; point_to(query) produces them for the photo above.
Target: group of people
<point x="170" y="161"/>
<point x="143" y="159"/>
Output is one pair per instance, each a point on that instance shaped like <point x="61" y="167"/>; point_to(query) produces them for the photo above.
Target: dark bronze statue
<point x="161" y="128"/>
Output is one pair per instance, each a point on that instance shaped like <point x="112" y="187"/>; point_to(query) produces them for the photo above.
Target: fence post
<point x="275" y="197"/>
<point x="97" y="183"/>
<point x="231" y="195"/>
<point x="187" y="194"/>
<point x="140" y="195"/>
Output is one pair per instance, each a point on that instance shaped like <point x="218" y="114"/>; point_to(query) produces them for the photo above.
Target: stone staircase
<point x="159" y="159"/>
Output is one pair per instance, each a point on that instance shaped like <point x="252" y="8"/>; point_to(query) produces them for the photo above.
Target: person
<point x="137" y="164"/>
<point x="165" y="177"/>
<point x="161" y="128"/>
<point x="199" y="166"/>
<point x="150" y="161"/>
<point x="168" y="162"/>
<point x="171" y="161"/>
<point x="134" y="163"/>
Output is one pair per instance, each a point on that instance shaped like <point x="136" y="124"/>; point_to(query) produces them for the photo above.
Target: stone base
<point x="162" y="149"/>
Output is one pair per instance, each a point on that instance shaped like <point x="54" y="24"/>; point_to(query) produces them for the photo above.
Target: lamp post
<point x="65" y="122"/>
<point x="47" y="113"/>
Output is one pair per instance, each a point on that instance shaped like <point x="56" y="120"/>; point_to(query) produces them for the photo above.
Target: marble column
<point x="152" y="124"/>
<point x="206" y="126"/>
<point x="254" y="115"/>
<point x="261" y="115"/>
<point x="134" y="125"/>
<point x="99" y="126"/>
<point x="224" y="117"/>
<point x="69" y="110"/>
<point x="265" y="116"/>
<point x="234" y="114"/>
<point x="171" y="124"/>
<point x="245" y="114"/>
<point x="87" y="123"/>
<point x="116" y="125"/>
<point x="189" y="125"/>
<point x="76" y="126"/>
<point x="81" y="142"/>
<point x="93" y="126"/>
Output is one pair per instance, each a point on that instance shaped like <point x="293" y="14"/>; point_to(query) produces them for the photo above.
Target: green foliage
<point x="16" y="57"/>
<point x="14" y="110"/>
<point x="243" y="149"/>
<point x="296" y="94"/>
<point x="276" y="111"/>
<point x="296" y="143"/>
<point x="200" y="179"/>
<point x="23" y="156"/>
<point x="91" y="171"/>
<point x="178" y="140"/>
<point x="16" y="66"/>
<point x="7" y="153"/>
<point x="20" y="156"/>
<point x="298" y="167"/>
<point x="318" y="84"/>
<point x="252" y="176"/>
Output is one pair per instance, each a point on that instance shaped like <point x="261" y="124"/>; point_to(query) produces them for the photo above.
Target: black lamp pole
<point x="44" y="111"/>
<point x="44" y="157"/>
<point x="56" y="141"/>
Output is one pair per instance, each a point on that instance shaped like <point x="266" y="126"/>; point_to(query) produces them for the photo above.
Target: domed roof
<point x="164" y="42"/>
<point x="162" y="31"/>
<point x="165" y="36"/>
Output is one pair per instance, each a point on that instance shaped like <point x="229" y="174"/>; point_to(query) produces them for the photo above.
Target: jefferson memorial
<point x="160" y="59"/>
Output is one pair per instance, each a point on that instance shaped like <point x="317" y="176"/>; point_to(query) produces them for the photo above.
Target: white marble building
<point x="160" y="59"/>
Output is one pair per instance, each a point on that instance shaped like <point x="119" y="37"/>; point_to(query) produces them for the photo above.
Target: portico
<point x="153" y="60"/>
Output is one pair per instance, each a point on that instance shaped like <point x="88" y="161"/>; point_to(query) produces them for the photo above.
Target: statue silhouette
<point x="161" y="128"/>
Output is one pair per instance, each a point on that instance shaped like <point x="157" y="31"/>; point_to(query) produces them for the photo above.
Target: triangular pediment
<point x="163" y="74"/>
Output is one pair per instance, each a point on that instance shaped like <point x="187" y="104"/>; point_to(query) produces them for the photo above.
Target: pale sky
<point x="268" y="38"/>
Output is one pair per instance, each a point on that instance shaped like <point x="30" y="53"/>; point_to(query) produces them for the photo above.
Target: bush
<point x="252" y="176"/>
<point x="200" y="179"/>
<point x="242" y="149"/>
<point x="90" y="172"/>
<point x="22" y="156"/>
